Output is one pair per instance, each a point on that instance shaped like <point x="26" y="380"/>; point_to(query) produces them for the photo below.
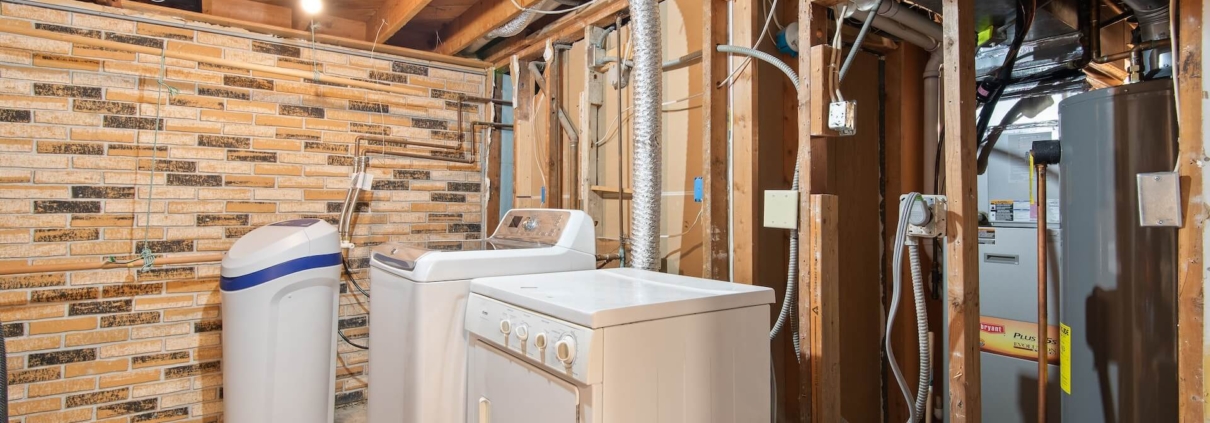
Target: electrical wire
<point x="896" y="272"/>
<point x="353" y="280"/>
<point x="349" y="341"/>
<point x="768" y="19"/>
<point x="551" y="12"/>
<point x="691" y="225"/>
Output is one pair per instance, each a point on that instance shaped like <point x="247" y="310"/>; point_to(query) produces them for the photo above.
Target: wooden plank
<point x="396" y="14"/>
<point x="821" y="89"/>
<point x="286" y="32"/>
<point x="591" y="102"/>
<point x="250" y="11"/>
<point x="962" y="265"/>
<point x="812" y="160"/>
<point x="745" y="143"/>
<point x="1191" y="352"/>
<point x="821" y="305"/>
<point x="491" y="219"/>
<point x="717" y="187"/>
<point x="567" y="29"/>
<point x="554" y="136"/>
<point x="477" y="22"/>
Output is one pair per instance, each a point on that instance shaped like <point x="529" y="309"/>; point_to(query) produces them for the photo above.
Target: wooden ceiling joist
<point x="395" y="14"/>
<point x="476" y="22"/>
<point x="286" y="32"/>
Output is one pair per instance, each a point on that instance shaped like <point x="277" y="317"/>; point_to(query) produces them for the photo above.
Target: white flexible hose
<point x="896" y="272"/>
<point x="922" y="331"/>
<point x="791" y="297"/>
<point x="896" y="267"/>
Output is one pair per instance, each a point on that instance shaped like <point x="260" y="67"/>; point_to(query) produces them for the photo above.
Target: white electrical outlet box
<point x="1160" y="199"/>
<point x="927" y="220"/>
<point x="781" y="209"/>
<point x="842" y="117"/>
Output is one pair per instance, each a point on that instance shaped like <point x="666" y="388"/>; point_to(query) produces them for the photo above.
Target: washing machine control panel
<point x="554" y="344"/>
<point x="537" y="226"/>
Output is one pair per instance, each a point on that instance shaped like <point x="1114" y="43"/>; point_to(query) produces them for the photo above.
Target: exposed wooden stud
<point x="591" y="103"/>
<point x="745" y="142"/>
<point x="1191" y="353"/>
<point x="396" y="14"/>
<point x="284" y="32"/>
<point x="962" y="265"/>
<point x="554" y="134"/>
<point x="491" y="219"/>
<point x="822" y="231"/>
<point x="819" y="394"/>
<point x="476" y="22"/>
<point x="821" y="89"/>
<point x="717" y="188"/>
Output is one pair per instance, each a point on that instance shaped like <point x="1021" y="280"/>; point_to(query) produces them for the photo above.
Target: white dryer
<point x="617" y="346"/>
<point x="417" y="343"/>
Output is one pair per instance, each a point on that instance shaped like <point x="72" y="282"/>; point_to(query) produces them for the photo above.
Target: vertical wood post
<point x="1191" y="273"/>
<point x="716" y="186"/>
<point x="962" y="266"/>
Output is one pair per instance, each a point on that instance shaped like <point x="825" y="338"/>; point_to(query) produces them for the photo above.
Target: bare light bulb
<point x="312" y="7"/>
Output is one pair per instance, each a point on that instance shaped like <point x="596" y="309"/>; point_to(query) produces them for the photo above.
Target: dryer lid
<point x="602" y="298"/>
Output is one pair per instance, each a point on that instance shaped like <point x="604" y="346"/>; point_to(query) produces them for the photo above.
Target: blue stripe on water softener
<point x="278" y="270"/>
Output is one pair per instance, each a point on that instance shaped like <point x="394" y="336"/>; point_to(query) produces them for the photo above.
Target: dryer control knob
<point x="540" y="340"/>
<point x="506" y="326"/>
<point x="522" y="333"/>
<point x="565" y="350"/>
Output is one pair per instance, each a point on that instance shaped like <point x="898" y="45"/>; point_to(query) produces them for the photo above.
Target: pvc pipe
<point x="904" y="32"/>
<point x="68" y="267"/>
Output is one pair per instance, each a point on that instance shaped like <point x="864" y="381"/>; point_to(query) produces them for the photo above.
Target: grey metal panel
<point x="1119" y="281"/>
<point x="1010" y="390"/>
<point x="1010" y="291"/>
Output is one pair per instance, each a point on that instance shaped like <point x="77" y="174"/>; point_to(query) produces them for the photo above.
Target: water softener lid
<point x="279" y="249"/>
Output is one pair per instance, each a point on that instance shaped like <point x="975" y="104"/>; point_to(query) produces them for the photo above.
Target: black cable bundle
<point x="352" y="280"/>
<point x="989" y="91"/>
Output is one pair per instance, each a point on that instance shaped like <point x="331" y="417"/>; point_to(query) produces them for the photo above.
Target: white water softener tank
<point x="280" y="286"/>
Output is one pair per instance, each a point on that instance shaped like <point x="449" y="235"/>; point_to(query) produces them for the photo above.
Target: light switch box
<point x="1160" y="199"/>
<point x="781" y="209"/>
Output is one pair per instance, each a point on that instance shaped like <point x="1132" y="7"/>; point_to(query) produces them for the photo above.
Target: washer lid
<point x="602" y="298"/>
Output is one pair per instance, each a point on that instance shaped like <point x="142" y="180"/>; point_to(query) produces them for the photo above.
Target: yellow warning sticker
<point x="1065" y="358"/>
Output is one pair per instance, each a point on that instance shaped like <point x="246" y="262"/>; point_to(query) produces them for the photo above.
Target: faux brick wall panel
<point x="86" y="130"/>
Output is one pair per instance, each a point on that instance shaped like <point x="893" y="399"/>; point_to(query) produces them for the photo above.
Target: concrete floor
<point x="352" y="414"/>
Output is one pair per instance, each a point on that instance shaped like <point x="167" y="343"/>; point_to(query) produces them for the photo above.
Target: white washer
<point x="417" y="343"/>
<point x="617" y="346"/>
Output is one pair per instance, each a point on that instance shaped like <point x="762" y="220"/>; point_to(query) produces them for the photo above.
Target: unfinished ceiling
<point x="443" y="26"/>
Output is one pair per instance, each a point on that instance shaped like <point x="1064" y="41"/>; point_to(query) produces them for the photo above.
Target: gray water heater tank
<point x="1118" y="290"/>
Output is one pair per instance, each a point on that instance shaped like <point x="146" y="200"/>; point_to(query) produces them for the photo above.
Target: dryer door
<point x="502" y="388"/>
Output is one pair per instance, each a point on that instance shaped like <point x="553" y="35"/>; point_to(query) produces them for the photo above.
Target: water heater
<point x="1119" y="295"/>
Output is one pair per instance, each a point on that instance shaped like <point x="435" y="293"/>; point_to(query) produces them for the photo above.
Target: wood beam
<point x="822" y="231"/>
<point x="477" y="21"/>
<point x="284" y="32"/>
<point x="491" y="219"/>
<point x="250" y="11"/>
<point x="1190" y="238"/>
<point x="962" y="266"/>
<point x="745" y="142"/>
<point x="717" y="187"/>
<point x="567" y="29"/>
<point x="396" y="14"/>
<point x="819" y="393"/>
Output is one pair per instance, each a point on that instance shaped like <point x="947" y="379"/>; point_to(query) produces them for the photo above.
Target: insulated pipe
<point x="647" y="179"/>
<point x="513" y="27"/>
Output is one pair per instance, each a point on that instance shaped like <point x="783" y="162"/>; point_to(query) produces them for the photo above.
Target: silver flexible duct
<point x="523" y="20"/>
<point x="648" y="94"/>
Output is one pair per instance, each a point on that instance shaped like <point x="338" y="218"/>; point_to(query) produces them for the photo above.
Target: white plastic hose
<point x="922" y="331"/>
<point x="917" y="408"/>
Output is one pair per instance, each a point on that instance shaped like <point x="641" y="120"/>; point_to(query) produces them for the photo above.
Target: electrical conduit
<point x="917" y="404"/>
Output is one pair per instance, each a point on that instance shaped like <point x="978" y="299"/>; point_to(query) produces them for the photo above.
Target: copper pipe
<point x="1043" y="335"/>
<point x="404" y="141"/>
<point x="68" y="267"/>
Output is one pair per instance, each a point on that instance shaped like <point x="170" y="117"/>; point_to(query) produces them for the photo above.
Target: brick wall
<point x="237" y="150"/>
